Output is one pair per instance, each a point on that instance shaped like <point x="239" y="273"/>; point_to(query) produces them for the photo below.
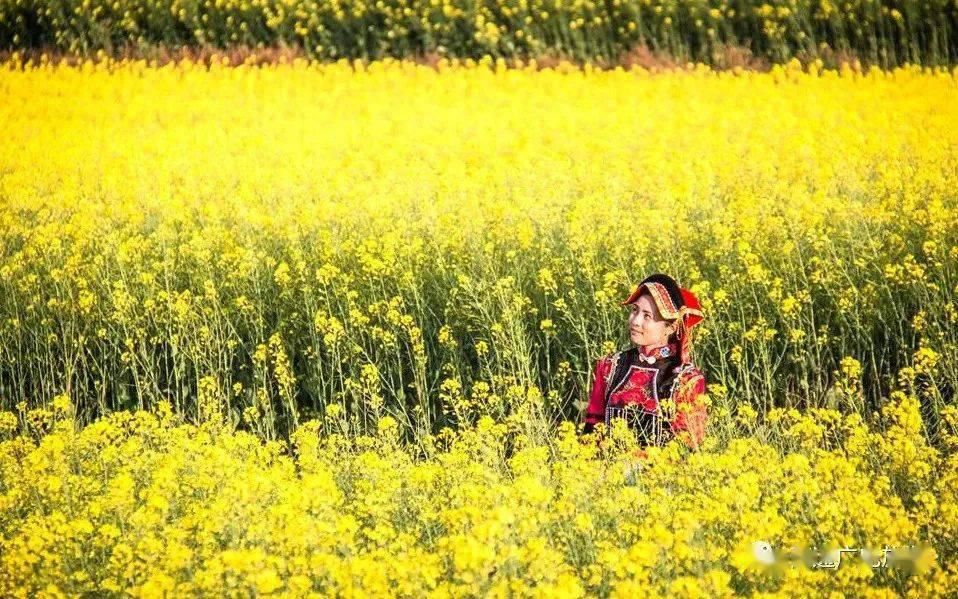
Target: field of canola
<point x="323" y="329"/>
<point x="718" y="32"/>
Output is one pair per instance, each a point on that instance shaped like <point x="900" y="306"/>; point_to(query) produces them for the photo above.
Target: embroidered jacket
<point x="632" y="384"/>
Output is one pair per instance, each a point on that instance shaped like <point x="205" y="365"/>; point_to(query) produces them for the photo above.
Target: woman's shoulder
<point x="613" y="357"/>
<point x="689" y="370"/>
<point x="607" y="363"/>
<point x="689" y="375"/>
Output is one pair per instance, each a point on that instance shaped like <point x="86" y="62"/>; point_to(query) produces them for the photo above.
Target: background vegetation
<point x="170" y="233"/>
<point x="718" y="32"/>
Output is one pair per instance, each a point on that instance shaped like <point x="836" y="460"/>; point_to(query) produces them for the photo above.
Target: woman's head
<point x="661" y="311"/>
<point x="647" y="327"/>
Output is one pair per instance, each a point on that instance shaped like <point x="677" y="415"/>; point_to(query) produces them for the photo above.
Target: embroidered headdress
<point x="674" y="303"/>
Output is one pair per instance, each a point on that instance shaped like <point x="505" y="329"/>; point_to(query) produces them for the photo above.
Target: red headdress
<point x="674" y="303"/>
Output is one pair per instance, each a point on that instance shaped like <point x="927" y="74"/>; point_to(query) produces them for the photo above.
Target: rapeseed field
<point x="329" y="328"/>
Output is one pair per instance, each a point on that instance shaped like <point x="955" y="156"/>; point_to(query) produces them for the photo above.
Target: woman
<point x="634" y="383"/>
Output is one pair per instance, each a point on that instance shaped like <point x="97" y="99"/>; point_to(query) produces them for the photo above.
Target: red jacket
<point x="651" y="376"/>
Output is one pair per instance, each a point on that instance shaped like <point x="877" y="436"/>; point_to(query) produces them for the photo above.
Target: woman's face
<point x="647" y="328"/>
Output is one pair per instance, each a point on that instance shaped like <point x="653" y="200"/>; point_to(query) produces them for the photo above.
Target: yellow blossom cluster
<point x="145" y="505"/>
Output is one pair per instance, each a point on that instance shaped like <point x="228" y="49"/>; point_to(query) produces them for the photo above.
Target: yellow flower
<point x="850" y="367"/>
